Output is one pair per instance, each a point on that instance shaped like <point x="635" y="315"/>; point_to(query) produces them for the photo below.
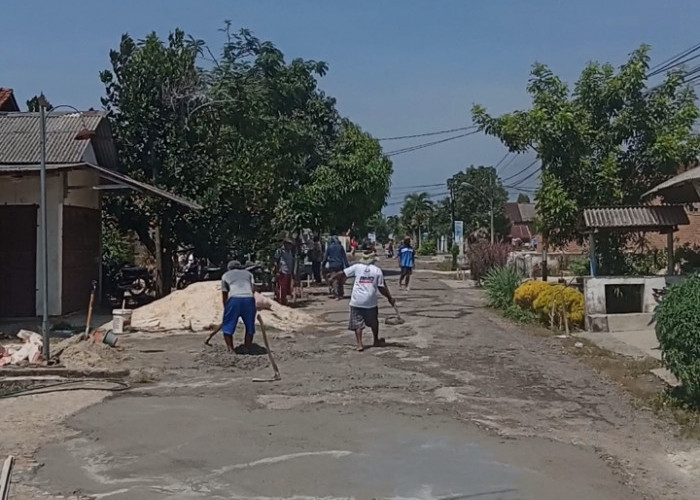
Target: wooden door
<point x="18" y="249"/>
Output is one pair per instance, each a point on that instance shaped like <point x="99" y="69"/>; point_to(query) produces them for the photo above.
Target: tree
<point x="143" y="87"/>
<point x="523" y="198"/>
<point x="416" y="212"/>
<point x="605" y="142"/>
<point x="395" y="227"/>
<point x="252" y="139"/>
<point x="473" y="191"/>
<point x="34" y="103"/>
<point x="349" y="190"/>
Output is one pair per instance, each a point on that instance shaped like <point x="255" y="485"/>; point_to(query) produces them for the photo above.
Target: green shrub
<point x="500" y="285"/>
<point x="520" y="315"/>
<point x="678" y="331"/>
<point x="580" y="266"/>
<point x="486" y="256"/>
<point x="428" y="247"/>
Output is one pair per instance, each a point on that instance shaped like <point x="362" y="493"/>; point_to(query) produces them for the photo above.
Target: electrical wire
<point x="427" y="144"/>
<point x="427" y="134"/>
<point x="62" y="387"/>
<point x="523" y="179"/>
<point x="520" y="172"/>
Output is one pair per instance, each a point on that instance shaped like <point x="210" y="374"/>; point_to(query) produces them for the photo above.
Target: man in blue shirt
<point x="405" y="254"/>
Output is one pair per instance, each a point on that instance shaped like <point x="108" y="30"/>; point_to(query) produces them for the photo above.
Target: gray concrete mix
<point x="460" y="404"/>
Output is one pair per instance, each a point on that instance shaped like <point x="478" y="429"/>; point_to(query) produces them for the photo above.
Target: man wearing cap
<point x="364" y="310"/>
<point x="284" y="266"/>
<point x="238" y="295"/>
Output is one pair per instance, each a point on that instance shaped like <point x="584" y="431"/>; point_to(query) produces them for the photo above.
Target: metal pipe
<point x="44" y="240"/>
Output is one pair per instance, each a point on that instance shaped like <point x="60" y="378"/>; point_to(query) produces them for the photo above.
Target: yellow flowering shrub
<point x="527" y="293"/>
<point x="568" y="300"/>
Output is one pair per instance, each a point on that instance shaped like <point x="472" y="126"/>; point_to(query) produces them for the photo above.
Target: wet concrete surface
<point x="180" y="447"/>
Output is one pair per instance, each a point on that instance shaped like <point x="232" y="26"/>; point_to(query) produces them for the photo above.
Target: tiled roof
<point x="20" y="141"/>
<point x="7" y="100"/>
<point x="520" y="212"/>
<point x="639" y="218"/>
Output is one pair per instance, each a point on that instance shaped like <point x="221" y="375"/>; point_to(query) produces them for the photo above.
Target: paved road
<point x="459" y="405"/>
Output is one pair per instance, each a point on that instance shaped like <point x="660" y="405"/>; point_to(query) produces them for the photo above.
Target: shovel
<point x="395" y="320"/>
<point x="269" y="355"/>
<point x="89" y="313"/>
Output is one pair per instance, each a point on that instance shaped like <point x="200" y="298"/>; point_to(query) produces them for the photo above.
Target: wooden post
<point x="591" y="253"/>
<point x="669" y="249"/>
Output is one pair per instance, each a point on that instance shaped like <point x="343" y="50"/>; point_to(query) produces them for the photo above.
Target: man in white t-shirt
<point x="364" y="310"/>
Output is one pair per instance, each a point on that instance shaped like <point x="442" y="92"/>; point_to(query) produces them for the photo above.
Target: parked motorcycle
<point x="135" y="280"/>
<point x="197" y="271"/>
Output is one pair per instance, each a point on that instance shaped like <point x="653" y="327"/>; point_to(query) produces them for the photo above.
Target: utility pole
<point x="452" y="208"/>
<point x="44" y="236"/>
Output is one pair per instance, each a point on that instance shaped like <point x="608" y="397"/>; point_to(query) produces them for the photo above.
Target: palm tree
<point x="416" y="212"/>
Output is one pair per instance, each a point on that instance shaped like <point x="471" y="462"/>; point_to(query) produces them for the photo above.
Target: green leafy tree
<point x="349" y="190"/>
<point x="473" y="191"/>
<point x="143" y="91"/>
<point x="416" y="213"/>
<point x="34" y="103"/>
<point x="523" y="198"/>
<point x="604" y="142"/>
<point x="395" y="226"/>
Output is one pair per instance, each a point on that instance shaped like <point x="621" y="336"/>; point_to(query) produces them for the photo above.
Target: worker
<point x="316" y="256"/>
<point x="238" y="295"/>
<point x="406" y="257"/>
<point x="283" y="269"/>
<point x="335" y="260"/>
<point x="364" y="310"/>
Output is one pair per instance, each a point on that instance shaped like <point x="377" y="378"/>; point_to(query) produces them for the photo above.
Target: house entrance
<point x="18" y="228"/>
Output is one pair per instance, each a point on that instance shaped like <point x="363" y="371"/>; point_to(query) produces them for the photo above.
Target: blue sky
<point x="396" y="67"/>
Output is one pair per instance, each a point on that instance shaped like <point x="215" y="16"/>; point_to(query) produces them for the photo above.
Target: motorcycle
<point x="134" y="280"/>
<point x="194" y="272"/>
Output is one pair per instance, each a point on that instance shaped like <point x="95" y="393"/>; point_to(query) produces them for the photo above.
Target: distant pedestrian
<point x="353" y="246"/>
<point x="316" y="256"/>
<point x="335" y="261"/>
<point x="406" y="256"/>
<point x="238" y="295"/>
<point x="283" y="269"/>
<point x="364" y="310"/>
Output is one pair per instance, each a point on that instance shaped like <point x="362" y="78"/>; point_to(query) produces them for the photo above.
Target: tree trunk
<point x="160" y="288"/>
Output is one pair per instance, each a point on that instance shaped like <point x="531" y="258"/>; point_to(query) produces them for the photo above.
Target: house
<point x="522" y="220"/>
<point x="80" y="166"/>
<point x="8" y="103"/>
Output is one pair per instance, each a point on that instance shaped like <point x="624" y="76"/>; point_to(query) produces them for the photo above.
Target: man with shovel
<point x="238" y="295"/>
<point x="364" y="310"/>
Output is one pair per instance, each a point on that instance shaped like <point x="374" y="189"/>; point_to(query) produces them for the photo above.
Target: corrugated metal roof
<point x="105" y="173"/>
<point x="20" y="142"/>
<point x="644" y="217"/>
<point x="679" y="189"/>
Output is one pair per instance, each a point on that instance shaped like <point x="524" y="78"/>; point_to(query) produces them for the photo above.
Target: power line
<point x="427" y="134"/>
<point x="427" y="144"/>
<point x="673" y="61"/>
<point x="393" y="203"/>
<point x="524" y="179"/>
<point x="420" y="186"/>
<point x="520" y="172"/>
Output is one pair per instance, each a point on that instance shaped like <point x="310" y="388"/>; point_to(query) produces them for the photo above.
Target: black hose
<point x="61" y="387"/>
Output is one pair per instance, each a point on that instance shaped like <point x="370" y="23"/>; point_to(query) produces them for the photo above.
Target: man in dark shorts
<point x="364" y="311"/>
<point x="405" y="255"/>
<point x="238" y="295"/>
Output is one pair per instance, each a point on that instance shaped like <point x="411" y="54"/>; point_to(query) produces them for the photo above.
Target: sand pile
<point x="198" y="307"/>
<point x="79" y="354"/>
